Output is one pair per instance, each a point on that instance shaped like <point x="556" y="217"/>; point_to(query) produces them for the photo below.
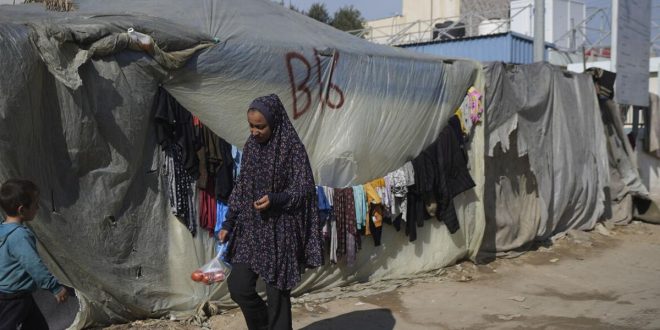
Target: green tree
<point x="318" y="12"/>
<point x="348" y="18"/>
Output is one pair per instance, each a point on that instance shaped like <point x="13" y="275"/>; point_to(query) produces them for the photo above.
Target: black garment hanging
<point x="453" y="176"/>
<point x="224" y="173"/>
<point x="174" y="125"/>
<point x="441" y="173"/>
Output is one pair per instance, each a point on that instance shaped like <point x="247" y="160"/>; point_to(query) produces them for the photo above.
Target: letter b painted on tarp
<point x="300" y="85"/>
<point x="299" y="89"/>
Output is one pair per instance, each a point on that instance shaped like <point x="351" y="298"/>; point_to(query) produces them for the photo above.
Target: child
<point x="21" y="268"/>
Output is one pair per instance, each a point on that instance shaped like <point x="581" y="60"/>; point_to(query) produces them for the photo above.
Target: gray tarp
<point x="547" y="164"/>
<point x="625" y="180"/>
<point x="649" y="170"/>
<point x="652" y="126"/>
<point x="327" y="79"/>
<point x="648" y="161"/>
<point x="83" y="130"/>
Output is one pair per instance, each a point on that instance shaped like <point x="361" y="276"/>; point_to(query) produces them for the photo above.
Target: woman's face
<point x="259" y="128"/>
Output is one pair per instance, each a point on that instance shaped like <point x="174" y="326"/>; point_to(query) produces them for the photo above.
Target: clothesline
<point x="421" y="189"/>
<point x="199" y="164"/>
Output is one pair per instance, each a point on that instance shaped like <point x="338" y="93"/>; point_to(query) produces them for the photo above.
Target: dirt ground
<point x="583" y="280"/>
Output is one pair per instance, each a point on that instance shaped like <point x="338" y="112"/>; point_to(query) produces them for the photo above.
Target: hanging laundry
<point x="385" y="194"/>
<point x="464" y="116"/>
<point x="324" y="206"/>
<point x="453" y="174"/>
<point x="409" y="172"/>
<point x="348" y="240"/>
<point x="360" y="207"/>
<point x="212" y="149"/>
<point x="424" y="166"/>
<point x="395" y="220"/>
<point x="399" y="181"/>
<point x="220" y="162"/>
<point x="224" y="173"/>
<point x="334" y="240"/>
<point x="208" y="207"/>
<point x="174" y="125"/>
<point x="475" y="105"/>
<point x="236" y="155"/>
<point x="332" y="224"/>
<point x="441" y="173"/>
<point x="203" y="178"/>
<point x="329" y="194"/>
<point x="376" y="208"/>
<point x="216" y="173"/>
<point x="180" y="145"/>
<point x="470" y="110"/>
<point x="459" y="115"/>
<point x="181" y="187"/>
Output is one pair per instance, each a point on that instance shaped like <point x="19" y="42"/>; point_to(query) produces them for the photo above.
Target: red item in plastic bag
<point x="213" y="271"/>
<point x="197" y="276"/>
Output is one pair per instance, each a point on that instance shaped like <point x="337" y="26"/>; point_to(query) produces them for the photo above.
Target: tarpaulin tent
<point x="76" y="99"/>
<point x="547" y="157"/>
<point x="557" y="157"/>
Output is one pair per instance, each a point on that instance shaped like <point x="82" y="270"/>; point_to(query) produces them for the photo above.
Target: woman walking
<point x="273" y="226"/>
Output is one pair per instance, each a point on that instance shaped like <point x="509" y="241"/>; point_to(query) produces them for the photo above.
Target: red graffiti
<point x="299" y="110"/>
<point x="300" y="86"/>
<point x="327" y="101"/>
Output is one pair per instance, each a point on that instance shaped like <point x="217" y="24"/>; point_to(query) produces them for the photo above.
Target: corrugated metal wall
<point x="505" y="47"/>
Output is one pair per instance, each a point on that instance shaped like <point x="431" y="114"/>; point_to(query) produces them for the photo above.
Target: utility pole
<point x="539" y="30"/>
<point x="431" y="11"/>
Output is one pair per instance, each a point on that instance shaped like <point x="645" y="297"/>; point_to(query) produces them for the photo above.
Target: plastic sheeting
<point x="648" y="161"/>
<point x="551" y="174"/>
<point x="105" y="225"/>
<point x="649" y="168"/>
<point x="652" y="126"/>
<point x="625" y="181"/>
<point x="353" y="102"/>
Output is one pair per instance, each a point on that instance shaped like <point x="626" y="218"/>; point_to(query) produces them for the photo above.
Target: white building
<point x="561" y="19"/>
<point x="415" y="22"/>
<point x="420" y="19"/>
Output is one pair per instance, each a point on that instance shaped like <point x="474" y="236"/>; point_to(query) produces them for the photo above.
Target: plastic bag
<point x="143" y="41"/>
<point x="214" y="271"/>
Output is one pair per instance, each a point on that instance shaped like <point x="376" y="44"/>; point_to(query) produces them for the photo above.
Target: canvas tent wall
<point x="647" y="157"/>
<point x="557" y="157"/>
<point x="81" y="126"/>
<point x="547" y="157"/>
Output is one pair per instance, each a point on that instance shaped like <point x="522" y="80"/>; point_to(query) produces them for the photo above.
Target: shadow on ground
<point x="372" y="319"/>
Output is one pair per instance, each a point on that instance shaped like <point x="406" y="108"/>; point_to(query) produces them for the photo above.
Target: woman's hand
<point x="262" y="204"/>
<point x="223" y="235"/>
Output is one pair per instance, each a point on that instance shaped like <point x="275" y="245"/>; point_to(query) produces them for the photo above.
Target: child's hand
<point x="62" y="295"/>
